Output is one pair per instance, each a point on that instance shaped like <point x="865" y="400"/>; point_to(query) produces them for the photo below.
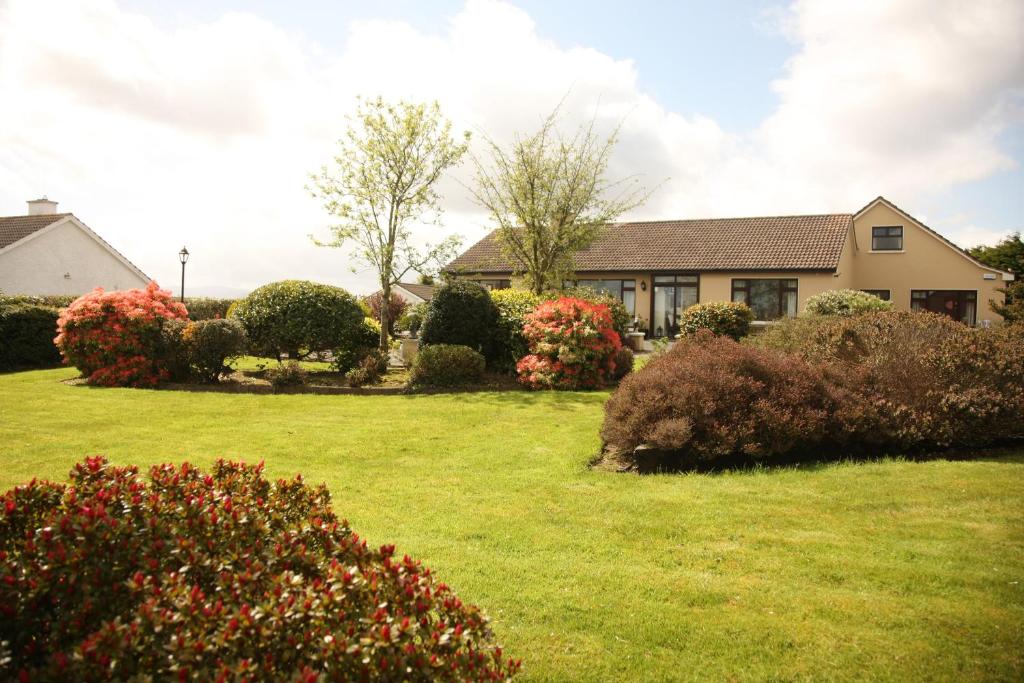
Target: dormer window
<point x="887" y="238"/>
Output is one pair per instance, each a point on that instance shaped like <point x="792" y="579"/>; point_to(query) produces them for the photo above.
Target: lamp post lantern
<point x="183" y="257"/>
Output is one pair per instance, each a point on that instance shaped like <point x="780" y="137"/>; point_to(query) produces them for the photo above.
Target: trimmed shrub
<point x="446" y="365"/>
<point x="722" y="318"/>
<point x="623" y="363"/>
<point x="47" y="300"/>
<point x="115" y="339"/>
<point x="206" y="308"/>
<point x="845" y="302"/>
<point x="572" y="346"/>
<point x="461" y="313"/>
<point x="788" y="334"/>
<point x="369" y="370"/>
<point x="288" y="374"/>
<point x="298" y="318"/>
<point x="364" y="340"/>
<point x="26" y="336"/>
<point x="710" y="398"/>
<point x="509" y="344"/>
<point x="396" y="307"/>
<point x="219" y="576"/>
<point x="211" y="343"/>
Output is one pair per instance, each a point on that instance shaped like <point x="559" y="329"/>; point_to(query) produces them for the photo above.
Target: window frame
<point x="877" y="292"/>
<point x="783" y="290"/>
<point x="963" y="295"/>
<point x="887" y="235"/>
<point x="675" y="280"/>
<point x="623" y="287"/>
<point x="494" y="284"/>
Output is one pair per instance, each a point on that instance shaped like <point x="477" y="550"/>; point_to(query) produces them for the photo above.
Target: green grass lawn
<point x="888" y="570"/>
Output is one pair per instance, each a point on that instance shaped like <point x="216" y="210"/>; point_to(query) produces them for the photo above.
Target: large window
<point x="770" y="299"/>
<point x="887" y="238"/>
<point x="672" y="295"/>
<point x="496" y="284"/>
<point x="959" y="305"/>
<point x="883" y="294"/>
<point x="623" y="290"/>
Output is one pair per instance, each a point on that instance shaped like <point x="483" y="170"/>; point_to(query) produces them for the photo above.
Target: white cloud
<point x="204" y="134"/>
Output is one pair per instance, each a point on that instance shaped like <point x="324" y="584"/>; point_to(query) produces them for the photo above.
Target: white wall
<point x="38" y="266"/>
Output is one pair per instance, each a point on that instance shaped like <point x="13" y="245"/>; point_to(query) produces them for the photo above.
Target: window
<point x="887" y="238"/>
<point x="671" y="295"/>
<point x="496" y="284"/>
<point x="623" y="290"/>
<point x="882" y="294"/>
<point x="959" y="305"/>
<point x="769" y="299"/>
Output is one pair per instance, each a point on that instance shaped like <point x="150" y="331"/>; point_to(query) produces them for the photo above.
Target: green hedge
<point x="446" y="365"/>
<point x="205" y="308"/>
<point x="26" y="336"/>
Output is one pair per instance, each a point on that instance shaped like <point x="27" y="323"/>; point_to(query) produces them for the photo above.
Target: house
<point x="411" y="293"/>
<point x="774" y="263"/>
<point x="47" y="253"/>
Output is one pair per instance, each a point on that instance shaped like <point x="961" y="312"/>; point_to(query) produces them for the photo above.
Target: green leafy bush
<point x="728" y="318"/>
<point x="363" y="341"/>
<point x="461" y="313"/>
<point x="845" y="302"/>
<point x="298" y="318"/>
<point x="510" y="344"/>
<point x="288" y="374"/>
<point x="413" y="317"/>
<point x="446" y="365"/>
<point x="47" y="300"/>
<point x="206" y="308"/>
<point x="219" y="576"/>
<point x="26" y="336"/>
<point x="369" y="370"/>
<point x="210" y="344"/>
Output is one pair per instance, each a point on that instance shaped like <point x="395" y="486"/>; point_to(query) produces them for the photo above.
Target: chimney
<point x="42" y="207"/>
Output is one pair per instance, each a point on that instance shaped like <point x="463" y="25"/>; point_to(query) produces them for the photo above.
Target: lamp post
<point x="183" y="257"/>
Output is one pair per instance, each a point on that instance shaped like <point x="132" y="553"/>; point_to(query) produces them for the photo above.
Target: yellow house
<point x="774" y="263"/>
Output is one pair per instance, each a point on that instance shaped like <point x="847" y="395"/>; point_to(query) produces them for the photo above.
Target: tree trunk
<point x="384" y="322"/>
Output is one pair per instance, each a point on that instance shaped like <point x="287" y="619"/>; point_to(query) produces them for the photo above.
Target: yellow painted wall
<point x="925" y="262"/>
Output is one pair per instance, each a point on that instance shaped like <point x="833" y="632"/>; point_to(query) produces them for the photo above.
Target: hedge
<point x="26" y="336"/>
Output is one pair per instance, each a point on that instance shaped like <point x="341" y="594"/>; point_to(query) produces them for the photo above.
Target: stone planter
<point x="635" y="340"/>
<point x="408" y="349"/>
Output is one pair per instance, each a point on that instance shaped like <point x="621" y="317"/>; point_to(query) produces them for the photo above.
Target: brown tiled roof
<point x="14" y="228"/>
<point x="768" y="243"/>
<point x="425" y="292"/>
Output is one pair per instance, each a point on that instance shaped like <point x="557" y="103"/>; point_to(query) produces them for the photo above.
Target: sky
<point x="197" y="122"/>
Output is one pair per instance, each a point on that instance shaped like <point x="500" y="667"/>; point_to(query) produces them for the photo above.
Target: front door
<point x="959" y="305"/>
<point x="672" y="294"/>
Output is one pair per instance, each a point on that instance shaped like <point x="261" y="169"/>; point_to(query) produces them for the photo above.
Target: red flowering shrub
<point x="572" y="345"/>
<point x="221" y="576"/>
<point x="114" y="338"/>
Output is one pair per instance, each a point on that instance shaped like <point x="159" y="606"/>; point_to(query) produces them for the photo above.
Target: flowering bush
<point x="729" y="318"/>
<point x="219" y="576"/>
<point x="114" y="338"/>
<point x="845" y="302"/>
<point x="572" y="346"/>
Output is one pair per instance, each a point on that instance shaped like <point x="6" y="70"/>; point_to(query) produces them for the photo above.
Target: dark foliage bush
<point x="361" y="341"/>
<point x="729" y="318"/>
<point x="288" y="374"/>
<point x="26" y="336"/>
<point x="219" y="576"/>
<point x="298" y="318"/>
<point x="369" y="370"/>
<point x="206" y="308"/>
<point x="623" y="363"/>
<point x="210" y="344"/>
<point x="462" y="313"/>
<point x="446" y="365"/>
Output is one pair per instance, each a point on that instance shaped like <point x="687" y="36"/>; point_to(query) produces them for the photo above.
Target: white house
<point x="47" y="252"/>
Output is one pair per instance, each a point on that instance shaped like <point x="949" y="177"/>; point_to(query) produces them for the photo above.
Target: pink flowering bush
<point x="573" y="345"/>
<point x="114" y="338"/>
<point x="219" y="576"/>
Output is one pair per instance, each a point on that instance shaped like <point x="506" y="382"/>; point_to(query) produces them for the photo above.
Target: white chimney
<point x="42" y="207"/>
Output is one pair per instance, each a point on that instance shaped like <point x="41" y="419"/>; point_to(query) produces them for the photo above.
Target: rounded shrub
<point x="115" y="338"/>
<point x="845" y="302"/>
<point x="461" y="313"/>
<point x="572" y="346"/>
<point x="623" y="363"/>
<point x="26" y="336"/>
<point x="446" y="365"/>
<point x="509" y="344"/>
<point x="362" y="341"/>
<point x="722" y="318"/>
<point x="211" y="344"/>
<point x="298" y="318"/>
<point x="217" y="576"/>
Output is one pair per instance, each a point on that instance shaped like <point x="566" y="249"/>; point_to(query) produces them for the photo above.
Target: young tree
<point x="549" y="197"/>
<point x="382" y="181"/>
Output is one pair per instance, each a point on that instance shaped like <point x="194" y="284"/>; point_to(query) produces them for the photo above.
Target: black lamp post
<point x="183" y="257"/>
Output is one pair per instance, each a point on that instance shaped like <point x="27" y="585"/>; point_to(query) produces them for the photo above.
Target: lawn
<point x="890" y="570"/>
